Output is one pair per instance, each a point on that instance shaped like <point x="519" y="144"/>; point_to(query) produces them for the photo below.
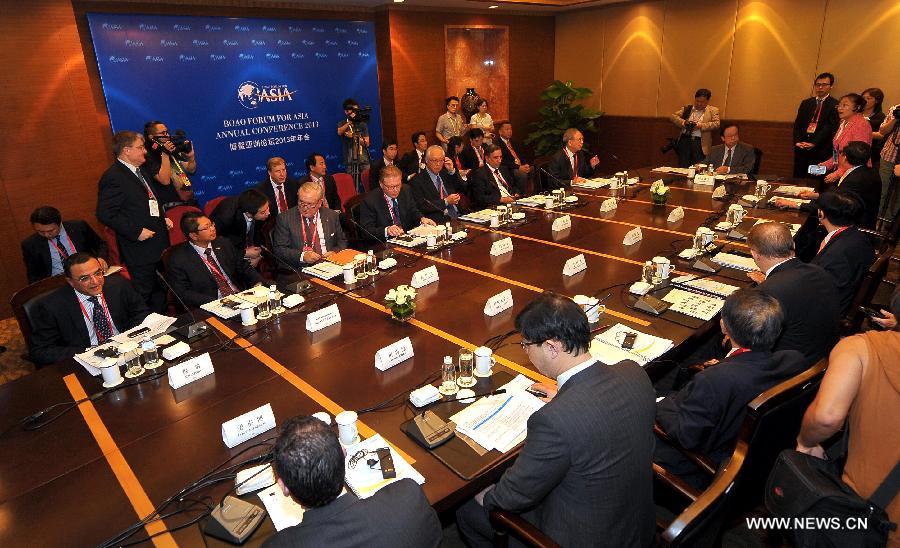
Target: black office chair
<point x="759" y="154"/>
<point x="852" y="320"/>
<point x="24" y="301"/>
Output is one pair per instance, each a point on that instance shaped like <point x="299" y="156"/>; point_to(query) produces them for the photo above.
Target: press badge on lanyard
<point x="154" y="208"/>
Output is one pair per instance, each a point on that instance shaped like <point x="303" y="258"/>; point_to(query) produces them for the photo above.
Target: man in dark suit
<point x="571" y="164"/>
<point x="390" y="210"/>
<point x="845" y="253"/>
<point x="53" y="240"/>
<point x="280" y="190"/>
<point x="241" y="220"/>
<point x="732" y="156"/>
<point x="492" y="184"/>
<point x="204" y="268"/>
<point x="127" y="204"/>
<point x="584" y="475"/>
<point x="89" y="311"/>
<point x="309" y="462"/>
<point x="511" y="159"/>
<point x="807" y="294"/>
<point x="438" y="188"/>
<point x="388" y="158"/>
<point x="413" y="162"/>
<point x="318" y="173"/>
<point x="472" y="155"/>
<point x="814" y="126"/>
<point x="308" y="233"/>
<point x="706" y="414"/>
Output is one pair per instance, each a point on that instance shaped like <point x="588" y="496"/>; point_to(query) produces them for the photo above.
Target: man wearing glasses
<point x="814" y="126"/>
<point x="308" y="233"/>
<point x="390" y="210"/>
<point x="204" y="268"/>
<point x="128" y="204"/>
<point x="89" y="311"/>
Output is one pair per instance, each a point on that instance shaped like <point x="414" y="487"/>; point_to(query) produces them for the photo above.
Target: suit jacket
<point x="809" y="301"/>
<point x="825" y="129"/>
<point x="122" y="205"/>
<point x="397" y="515"/>
<point x="847" y="257"/>
<point x="375" y="217"/>
<point x="708" y="122"/>
<point x="58" y="328"/>
<point x="409" y="164"/>
<point x="428" y="199"/>
<point x="560" y="169"/>
<point x="706" y="415"/>
<point x="375" y="172"/>
<point x="36" y="252"/>
<point x="287" y="240"/>
<point x="742" y="159"/>
<point x="468" y="157"/>
<point x="584" y="475"/>
<point x="509" y="161"/>
<point x="331" y="194"/>
<point x="191" y="279"/>
<point x="483" y="186"/>
<point x="232" y="226"/>
<point x="291" y="186"/>
<point x="866" y="183"/>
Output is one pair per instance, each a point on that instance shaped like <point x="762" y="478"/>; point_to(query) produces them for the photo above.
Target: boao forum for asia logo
<point x="250" y="94"/>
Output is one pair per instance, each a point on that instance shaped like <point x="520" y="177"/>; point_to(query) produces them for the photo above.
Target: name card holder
<point x="189" y="371"/>
<point x="719" y="192"/>
<point x="676" y="215"/>
<point x="501" y="247"/>
<point x="575" y="265"/>
<point x="394" y="353"/>
<point x="608" y="204"/>
<point x="704" y="180"/>
<point x="498" y="303"/>
<point x="248" y="426"/>
<point x="562" y="223"/>
<point x="320" y="319"/>
<point x="424" y="277"/>
<point x="633" y="236"/>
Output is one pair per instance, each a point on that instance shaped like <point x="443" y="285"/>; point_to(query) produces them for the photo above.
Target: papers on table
<point x="407" y="240"/>
<point x="283" y="510"/>
<point x="481" y="217"/>
<point x="792" y="227"/>
<point x="156" y="322"/>
<point x="252" y="296"/>
<point x="726" y="176"/>
<point x="532" y="201"/>
<point x="365" y="481"/>
<point x="324" y="270"/>
<point x="673" y="170"/>
<point x="693" y="304"/>
<point x="791" y="190"/>
<point x="705" y="284"/>
<point x="796" y="202"/>
<point x="607" y="346"/>
<point x="158" y="325"/>
<point x="594" y="184"/>
<point x="499" y="422"/>
<point x="738" y="262"/>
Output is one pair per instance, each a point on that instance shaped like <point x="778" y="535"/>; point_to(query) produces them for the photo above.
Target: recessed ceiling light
<point x="398" y="1"/>
<point x="489" y="7"/>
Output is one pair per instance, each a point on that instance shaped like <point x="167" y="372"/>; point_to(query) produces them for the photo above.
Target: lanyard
<point x="315" y="232"/>
<point x="738" y="351"/>
<point x="394" y="216"/>
<point x="101" y="302"/>
<point x="63" y="252"/>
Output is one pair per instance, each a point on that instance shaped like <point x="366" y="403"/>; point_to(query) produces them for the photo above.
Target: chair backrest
<point x="346" y="188"/>
<point x="210" y="206"/>
<point x="176" y="236"/>
<point x="24" y="300"/>
<point x="756" y="162"/>
<point x="868" y="286"/>
<point x="352" y="210"/>
<point x="364" y="177"/>
<point x="109" y="236"/>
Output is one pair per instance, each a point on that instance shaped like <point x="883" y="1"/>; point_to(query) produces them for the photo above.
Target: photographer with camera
<point x="170" y="158"/>
<point x="697" y="122"/>
<point x="889" y="168"/>
<point x="354" y="133"/>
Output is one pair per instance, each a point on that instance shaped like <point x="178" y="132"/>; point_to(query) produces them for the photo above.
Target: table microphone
<point x="555" y="178"/>
<point x="196" y="329"/>
<point x="300" y="287"/>
<point x="387" y="244"/>
<point x="429" y="430"/>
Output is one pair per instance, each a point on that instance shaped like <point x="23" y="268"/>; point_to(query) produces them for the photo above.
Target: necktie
<point x="500" y="179"/>
<point x="250" y="226"/>
<point x="575" y="165"/>
<point x="282" y="202"/>
<point x="480" y="159"/>
<point x="395" y="211"/>
<point x="727" y="162"/>
<point x="222" y="283"/>
<point x="63" y="254"/>
<point x="146" y="186"/>
<point x="513" y="152"/>
<point x="313" y="240"/>
<point x="101" y="323"/>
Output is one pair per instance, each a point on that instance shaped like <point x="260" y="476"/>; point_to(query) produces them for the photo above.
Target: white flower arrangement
<point x="659" y="188"/>
<point x="401" y="295"/>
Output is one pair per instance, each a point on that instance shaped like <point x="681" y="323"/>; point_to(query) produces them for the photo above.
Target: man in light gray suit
<point x="732" y="156"/>
<point x="584" y="476"/>
<point x="318" y="235"/>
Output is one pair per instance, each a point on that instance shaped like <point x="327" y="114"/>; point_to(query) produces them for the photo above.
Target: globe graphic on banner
<point x="248" y="95"/>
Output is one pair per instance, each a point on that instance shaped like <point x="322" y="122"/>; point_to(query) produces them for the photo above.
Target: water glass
<point x="466" y="368"/>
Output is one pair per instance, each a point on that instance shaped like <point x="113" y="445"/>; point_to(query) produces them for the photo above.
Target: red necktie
<point x="574" y="165"/>
<point x="513" y="152"/>
<point x="500" y="179"/>
<point x="222" y="282"/>
<point x="282" y="202"/>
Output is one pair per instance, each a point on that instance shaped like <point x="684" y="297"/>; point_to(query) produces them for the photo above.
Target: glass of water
<point x="262" y="309"/>
<point x="466" y="368"/>
<point x="133" y="363"/>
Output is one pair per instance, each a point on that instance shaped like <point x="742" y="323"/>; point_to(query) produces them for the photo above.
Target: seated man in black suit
<point x="309" y="461"/>
<point x="308" y="233"/>
<point x="511" y="159"/>
<point x="413" y="162"/>
<point x="472" y="155"/>
<point x="388" y="158"/>
<point x="732" y="156"/>
<point x="584" y="475"/>
<point x="53" y="240"/>
<point x="240" y="220"/>
<point x="807" y="294"/>
<point x="204" y="268"/>
<point x="706" y="414"/>
<point x="492" y="184"/>
<point x="280" y="190"/>
<point x="845" y="253"/>
<point x="89" y="311"/>
<point x="318" y="173"/>
<point x="438" y="189"/>
<point x="390" y="210"/>
<point x="571" y="164"/>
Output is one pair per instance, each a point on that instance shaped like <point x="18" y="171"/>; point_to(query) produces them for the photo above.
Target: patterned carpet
<point x="12" y="364"/>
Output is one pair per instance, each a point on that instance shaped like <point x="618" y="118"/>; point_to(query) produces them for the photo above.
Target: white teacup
<point x="591" y="307"/>
<point x="663" y="267"/>
<point x="347" y="432"/>
<point x="484" y="361"/>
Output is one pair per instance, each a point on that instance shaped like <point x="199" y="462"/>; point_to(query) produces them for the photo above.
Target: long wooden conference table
<point x="101" y="467"/>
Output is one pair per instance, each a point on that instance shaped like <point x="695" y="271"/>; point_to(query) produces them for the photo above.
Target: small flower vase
<point x="403" y="312"/>
<point x="659" y="199"/>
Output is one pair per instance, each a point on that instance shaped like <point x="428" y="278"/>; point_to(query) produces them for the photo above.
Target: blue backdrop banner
<point x="243" y="90"/>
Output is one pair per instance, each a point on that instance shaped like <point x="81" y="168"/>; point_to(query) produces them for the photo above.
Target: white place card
<point x="189" y="371"/>
<point x="575" y="265"/>
<point x="394" y="353"/>
<point x="424" y="277"/>
<point x="247" y="426"/>
<point x="562" y="223"/>
<point x="633" y="236"/>
<point x="501" y="247"/>
<point x="719" y="192"/>
<point x="676" y="215"/>
<point x="704" y="180"/>
<point x="321" y="319"/>
<point x="498" y="303"/>
<point x="608" y="204"/>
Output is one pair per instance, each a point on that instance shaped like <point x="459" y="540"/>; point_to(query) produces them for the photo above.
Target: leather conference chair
<point x="364" y="177"/>
<point x="176" y="236"/>
<point x="758" y="153"/>
<point x="210" y="206"/>
<point x="865" y="293"/>
<point x="24" y="301"/>
<point x="346" y="188"/>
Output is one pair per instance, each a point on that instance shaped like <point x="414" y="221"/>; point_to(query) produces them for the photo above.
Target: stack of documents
<point x="791" y="190"/>
<point x="738" y="262"/>
<point x="792" y="227"/>
<point x="796" y="202"/>
<point x="157" y="325"/>
<point x="482" y="217"/>
<point x="675" y="170"/>
<point x="693" y="304"/>
<point x="365" y="481"/>
<point x="532" y="201"/>
<point x="251" y="296"/>
<point x="595" y="183"/>
<point x="324" y="270"/>
<point x="705" y="284"/>
<point x="607" y="346"/>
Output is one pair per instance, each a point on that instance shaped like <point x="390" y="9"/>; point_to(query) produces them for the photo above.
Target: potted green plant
<point x="559" y="113"/>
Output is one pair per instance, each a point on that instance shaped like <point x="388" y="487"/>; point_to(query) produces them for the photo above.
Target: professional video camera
<point x="690" y="126"/>
<point x="361" y="114"/>
<point x="179" y="140"/>
<point x="672" y="143"/>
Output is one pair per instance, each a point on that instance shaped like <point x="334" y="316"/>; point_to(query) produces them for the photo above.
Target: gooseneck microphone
<point x="301" y="286"/>
<point x="196" y="329"/>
